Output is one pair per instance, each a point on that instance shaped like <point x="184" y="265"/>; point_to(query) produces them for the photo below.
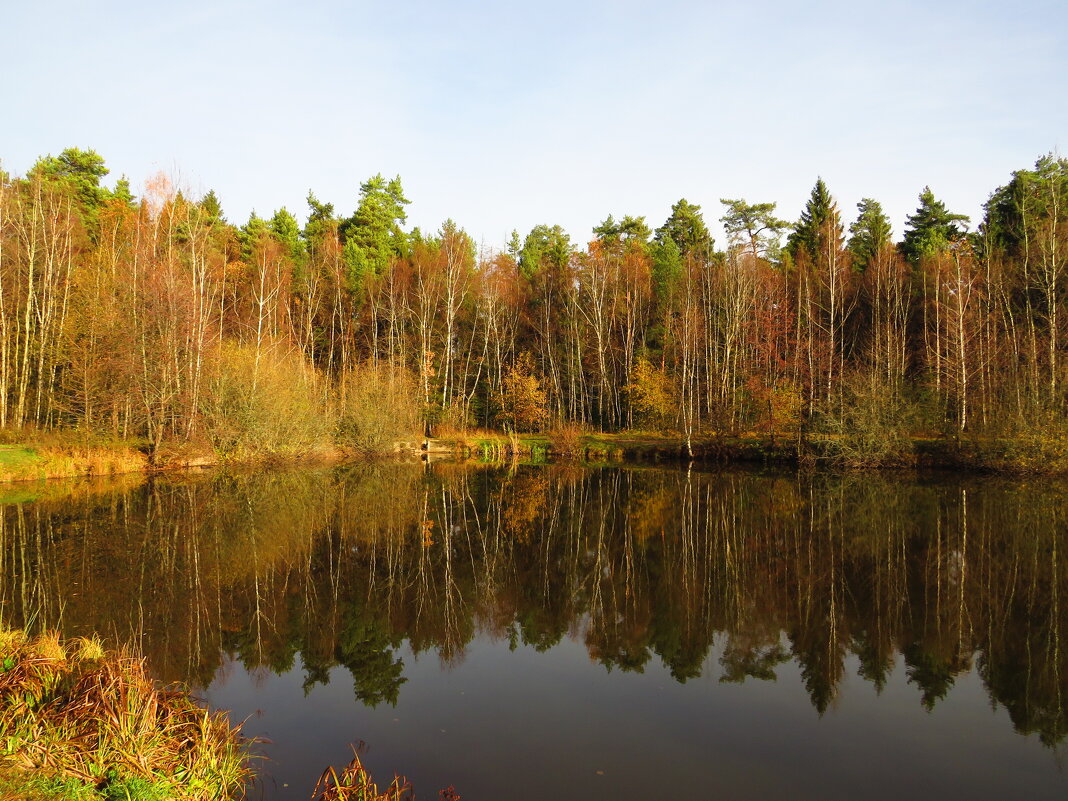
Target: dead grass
<point x="29" y="454"/>
<point x="354" y="784"/>
<point x="72" y="713"/>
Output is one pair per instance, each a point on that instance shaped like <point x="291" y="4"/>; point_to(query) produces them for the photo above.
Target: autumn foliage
<point x="154" y="319"/>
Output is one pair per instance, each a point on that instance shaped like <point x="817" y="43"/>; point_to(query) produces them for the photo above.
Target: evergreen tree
<point x="1033" y="199"/>
<point x="629" y="230"/>
<point x="931" y="229"/>
<point x="321" y="221"/>
<point x="285" y="229"/>
<point x="753" y="226"/>
<point x="250" y="233"/>
<point x="212" y="207"/>
<point x="869" y="234"/>
<point x="544" y="247"/>
<point x="685" y="226"/>
<point x="666" y="268"/>
<point x="514" y="245"/>
<point x="80" y="172"/>
<point x="372" y="236"/>
<point x="808" y="234"/>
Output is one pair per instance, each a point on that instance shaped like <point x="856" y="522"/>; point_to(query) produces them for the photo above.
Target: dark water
<point x="563" y="633"/>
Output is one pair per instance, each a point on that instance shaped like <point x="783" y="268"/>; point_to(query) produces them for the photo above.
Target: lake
<point x="564" y="632"/>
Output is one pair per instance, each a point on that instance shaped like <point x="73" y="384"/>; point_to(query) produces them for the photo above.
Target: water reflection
<point x="342" y="567"/>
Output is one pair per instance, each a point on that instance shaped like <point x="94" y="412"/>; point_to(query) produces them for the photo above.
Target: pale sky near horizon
<point x="505" y="116"/>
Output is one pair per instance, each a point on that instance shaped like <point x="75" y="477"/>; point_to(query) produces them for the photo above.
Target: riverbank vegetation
<point x="354" y="783"/>
<point x="77" y="722"/>
<point x="155" y="320"/>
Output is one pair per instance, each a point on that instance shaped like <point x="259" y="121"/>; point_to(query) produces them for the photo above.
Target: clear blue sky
<point x="505" y="115"/>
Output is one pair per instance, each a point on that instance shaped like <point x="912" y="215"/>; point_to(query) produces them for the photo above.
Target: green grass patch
<point x="18" y="458"/>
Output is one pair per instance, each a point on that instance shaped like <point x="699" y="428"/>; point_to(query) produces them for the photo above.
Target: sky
<point x="504" y="115"/>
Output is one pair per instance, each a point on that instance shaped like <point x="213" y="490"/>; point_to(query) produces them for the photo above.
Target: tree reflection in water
<point x="341" y="567"/>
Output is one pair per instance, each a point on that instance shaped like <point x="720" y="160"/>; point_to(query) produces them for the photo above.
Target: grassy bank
<point x="64" y="455"/>
<point x="77" y="722"/>
<point x="37" y="456"/>
<point x="58" y="457"/>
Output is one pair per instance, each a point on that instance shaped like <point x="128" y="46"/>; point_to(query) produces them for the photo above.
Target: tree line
<point x="154" y="317"/>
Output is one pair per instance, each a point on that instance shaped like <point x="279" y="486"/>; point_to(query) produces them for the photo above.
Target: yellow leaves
<point x="777" y="408"/>
<point x="523" y="402"/>
<point x="428" y="533"/>
<point x="651" y="394"/>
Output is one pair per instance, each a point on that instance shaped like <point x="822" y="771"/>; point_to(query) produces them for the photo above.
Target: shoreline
<point x="31" y="462"/>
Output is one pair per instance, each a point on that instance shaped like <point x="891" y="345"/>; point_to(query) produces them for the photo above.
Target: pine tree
<point x="753" y="226"/>
<point x="869" y="234"/>
<point x="809" y="231"/>
<point x="210" y="205"/>
<point x="285" y="229"/>
<point x="931" y="229"/>
<point x="372" y="236"/>
<point x="685" y="226"/>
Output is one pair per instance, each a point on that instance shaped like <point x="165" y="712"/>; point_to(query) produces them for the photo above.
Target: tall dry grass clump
<point x="93" y="721"/>
<point x="354" y="783"/>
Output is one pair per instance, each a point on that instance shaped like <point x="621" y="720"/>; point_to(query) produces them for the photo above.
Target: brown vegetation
<point x="156" y="321"/>
<point x="73" y="715"/>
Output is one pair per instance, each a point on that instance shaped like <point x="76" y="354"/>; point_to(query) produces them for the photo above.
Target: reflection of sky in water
<point x="531" y="726"/>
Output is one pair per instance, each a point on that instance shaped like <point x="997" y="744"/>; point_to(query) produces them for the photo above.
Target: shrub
<point x="377" y="406"/>
<point x="1038" y="444"/>
<point x="270" y="406"/>
<point x="869" y="426"/>
<point x="565" y="440"/>
<point x="523" y="402"/>
<point x="777" y="408"/>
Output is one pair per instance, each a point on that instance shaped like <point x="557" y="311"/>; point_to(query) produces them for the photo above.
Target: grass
<point x="77" y="722"/>
<point x="15" y="786"/>
<point x="354" y="784"/>
<point x="1031" y="452"/>
<point x="18" y="459"/>
<point x="29" y="454"/>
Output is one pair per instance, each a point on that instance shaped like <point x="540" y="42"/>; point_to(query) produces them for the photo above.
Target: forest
<point x="155" y="320"/>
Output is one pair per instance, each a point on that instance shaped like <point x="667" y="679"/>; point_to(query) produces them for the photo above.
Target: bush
<point x="565" y="440"/>
<point x="870" y="426"/>
<point x="272" y="406"/>
<point x="522" y="401"/>
<point x="777" y="409"/>
<point x="376" y="408"/>
<point x="1038" y="444"/>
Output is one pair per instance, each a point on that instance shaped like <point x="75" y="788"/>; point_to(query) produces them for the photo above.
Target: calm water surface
<point x="569" y="633"/>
